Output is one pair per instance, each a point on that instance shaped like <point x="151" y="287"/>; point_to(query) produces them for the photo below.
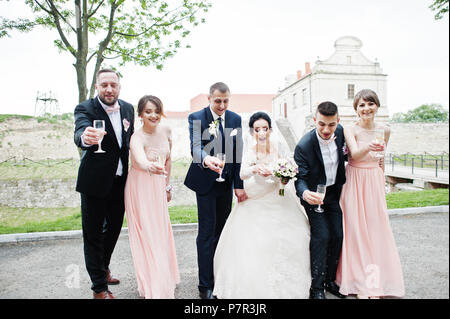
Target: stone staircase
<point x="287" y="132"/>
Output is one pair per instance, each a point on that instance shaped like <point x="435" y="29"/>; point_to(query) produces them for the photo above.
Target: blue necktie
<point x="222" y="133"/>
<point x="220" y="126"/>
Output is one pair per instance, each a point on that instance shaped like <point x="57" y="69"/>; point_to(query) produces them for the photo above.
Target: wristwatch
<point x="169" y="188"/>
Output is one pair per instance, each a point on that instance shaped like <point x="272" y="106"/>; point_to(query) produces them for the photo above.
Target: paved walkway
<point x="55" y="268"/>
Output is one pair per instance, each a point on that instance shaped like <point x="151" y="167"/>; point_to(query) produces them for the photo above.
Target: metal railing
<point x="25" y="161"/>
<point x="435" y="162"/>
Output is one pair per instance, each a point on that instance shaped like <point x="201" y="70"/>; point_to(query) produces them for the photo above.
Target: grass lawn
<point x="27" y="220"/>
<point x="23" y="220"/>
<point x="431" y="197"/>
<point x="62" y="169"/>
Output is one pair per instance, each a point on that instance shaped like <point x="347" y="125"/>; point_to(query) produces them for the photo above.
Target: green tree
<point x="440" y="7"/>
<point x="428" y="113"/>
<point x="145" y="32"/>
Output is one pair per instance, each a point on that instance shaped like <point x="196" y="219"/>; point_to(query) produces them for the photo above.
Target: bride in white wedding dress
<point x="263" y="251"/>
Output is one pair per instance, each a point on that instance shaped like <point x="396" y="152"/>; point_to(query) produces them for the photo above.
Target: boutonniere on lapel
<point x="126" y="124"/>
<point x="213" y="127"/>
<point x="345" y="149"/>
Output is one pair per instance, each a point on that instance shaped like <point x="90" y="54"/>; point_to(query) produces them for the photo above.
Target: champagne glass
<point x="379" y="138"/>
<point x="161" y="159"/>
<point x="270" y="179"/>
<point x="158" y="157"/>
<point x="221" y="157"/>
<point x="99" y="125"/>
<point x="321" y="189"/>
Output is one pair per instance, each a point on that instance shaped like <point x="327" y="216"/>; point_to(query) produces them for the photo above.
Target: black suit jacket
<point x="200" y="179"/>
<point x="311" y="170"/>
<point x="97" y="170"/>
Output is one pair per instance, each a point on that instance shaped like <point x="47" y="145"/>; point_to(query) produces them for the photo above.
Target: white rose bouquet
<point x="286" y="169"/>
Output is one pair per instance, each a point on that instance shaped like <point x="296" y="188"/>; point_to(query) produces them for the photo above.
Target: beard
<point x="104" y="101"/>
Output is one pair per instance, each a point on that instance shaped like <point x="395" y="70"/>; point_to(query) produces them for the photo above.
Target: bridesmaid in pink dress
<point x="147" y="193"/>
<point x="369" y="266"/>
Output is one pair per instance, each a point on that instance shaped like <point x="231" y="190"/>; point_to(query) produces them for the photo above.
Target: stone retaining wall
<point x="419" y="138"/>
<point x="61" y="193"/>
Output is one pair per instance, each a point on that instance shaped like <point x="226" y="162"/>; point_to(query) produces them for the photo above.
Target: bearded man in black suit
<point x="102" y="176"/>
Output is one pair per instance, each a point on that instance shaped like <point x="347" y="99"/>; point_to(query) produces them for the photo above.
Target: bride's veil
<point x="277" y="142"/>
<point x="278" y="145"/>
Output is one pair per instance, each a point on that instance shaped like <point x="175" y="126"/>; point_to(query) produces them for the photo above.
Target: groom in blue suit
<point x="214" y="130"/>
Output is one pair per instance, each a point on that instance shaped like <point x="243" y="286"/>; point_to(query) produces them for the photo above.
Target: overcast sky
<point x="251" y="45"/>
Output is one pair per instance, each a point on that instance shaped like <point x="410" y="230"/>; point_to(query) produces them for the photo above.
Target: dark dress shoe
<point x="333" y="289"/>
<point x="111" y="280"/>
<point x="103" y="295"/>
<point x="207" y="294"/>
<point x="316" y="294"/>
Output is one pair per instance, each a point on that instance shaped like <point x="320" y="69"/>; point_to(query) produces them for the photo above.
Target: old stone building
<point x="335" y="79"/>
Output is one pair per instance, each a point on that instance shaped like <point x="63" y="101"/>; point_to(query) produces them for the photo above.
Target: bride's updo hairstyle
<point x="259" y="116"/>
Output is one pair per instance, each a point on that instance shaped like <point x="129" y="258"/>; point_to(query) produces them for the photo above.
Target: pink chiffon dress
<point x="149" y="228"/>
<point x="369" y="263"/>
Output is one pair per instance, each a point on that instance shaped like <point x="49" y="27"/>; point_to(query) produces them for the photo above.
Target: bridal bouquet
<point x="286" y="169"/>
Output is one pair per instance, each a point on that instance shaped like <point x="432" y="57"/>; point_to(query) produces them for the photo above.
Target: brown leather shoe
<point x="103" y="295"/>
<point x="110" y="295"/>
<point x="111" y="280"/>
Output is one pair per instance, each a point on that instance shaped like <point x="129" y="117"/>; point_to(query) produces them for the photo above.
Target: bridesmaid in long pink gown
<point x="369" y="266"/>
<point x="147" y="193"/>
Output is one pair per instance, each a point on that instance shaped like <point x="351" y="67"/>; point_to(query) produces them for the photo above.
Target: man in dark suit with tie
<point x="319" y="156"/>
<point x="102" y="176"/>
<point x="214" y="130"/>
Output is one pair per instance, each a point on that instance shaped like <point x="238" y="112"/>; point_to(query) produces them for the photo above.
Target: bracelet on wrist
<point x="169" y="188"/>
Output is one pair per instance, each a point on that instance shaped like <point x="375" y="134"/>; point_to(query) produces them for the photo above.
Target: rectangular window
<point x="294" y="102"/>
<point x="304" y="97"/>
<point x="350" y="91"/>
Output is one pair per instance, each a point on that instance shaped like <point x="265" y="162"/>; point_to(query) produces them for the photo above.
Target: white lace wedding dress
<point x="263" y="251"/>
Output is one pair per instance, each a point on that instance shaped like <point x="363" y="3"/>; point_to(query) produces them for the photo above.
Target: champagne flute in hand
<point x="161" y="158"/>
<point x="221" y="157"/>
<point x="158" y="159"/>
<point x="379" y="139"/>
<point x="321" y="189"/>
<point x="99" y="125"/>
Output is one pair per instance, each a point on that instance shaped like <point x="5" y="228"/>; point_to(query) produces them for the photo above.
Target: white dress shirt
<point x="215" y="117"/>
<point x="330" y="158"/>
<point x="115" y="119"/>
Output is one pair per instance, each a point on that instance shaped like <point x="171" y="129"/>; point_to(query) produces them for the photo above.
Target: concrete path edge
<point x="69" y="234"/>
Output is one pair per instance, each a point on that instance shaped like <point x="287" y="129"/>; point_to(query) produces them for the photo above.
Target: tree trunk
<point x="96" y="69"/>
<point x="82" y="50"/>
<point x="104" y="44"/>
<point x="80" y="68"/>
